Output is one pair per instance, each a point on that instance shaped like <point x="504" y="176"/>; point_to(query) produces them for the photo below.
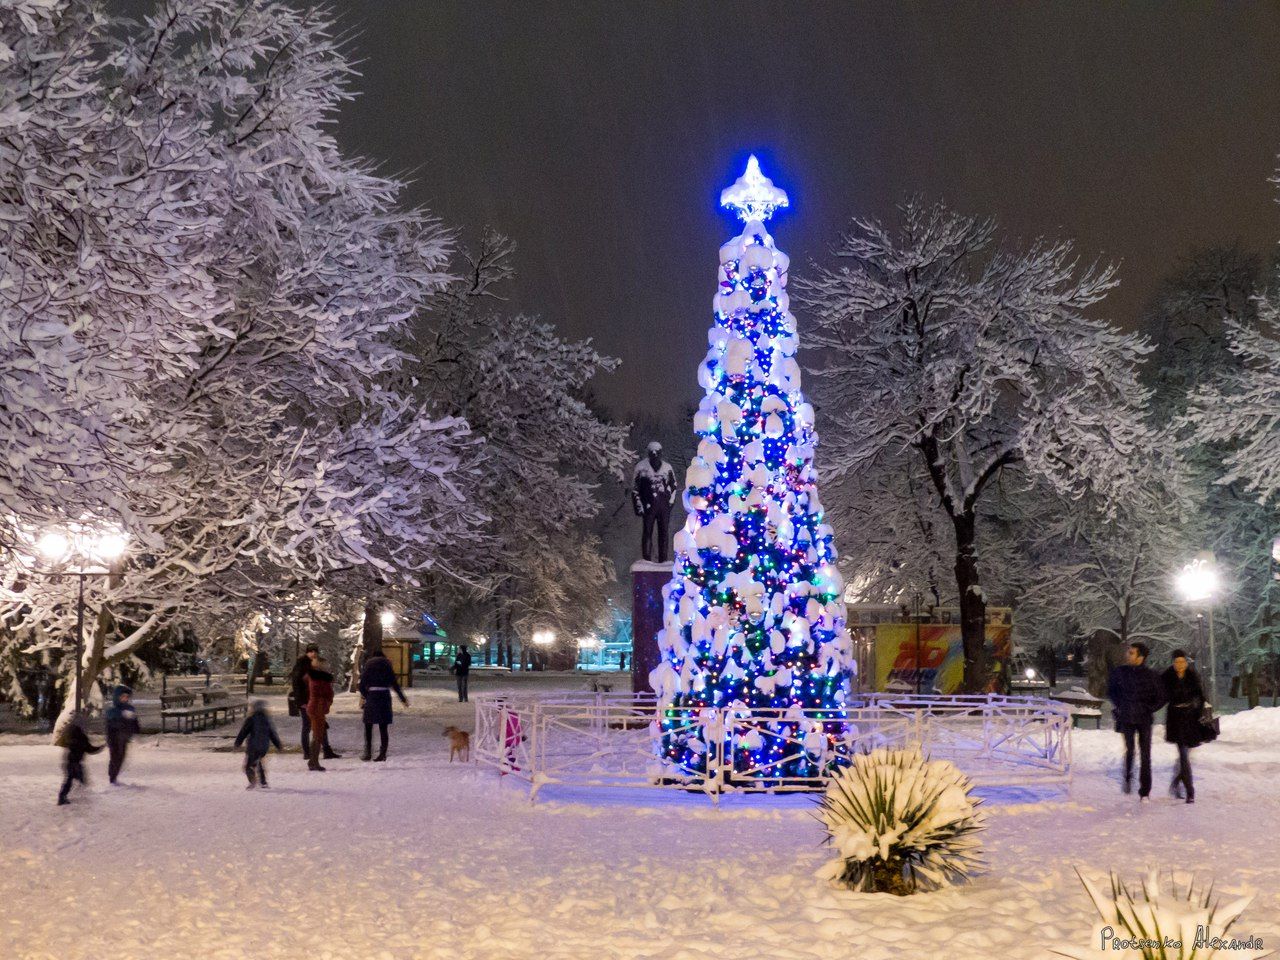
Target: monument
<point x="653" y="494"/>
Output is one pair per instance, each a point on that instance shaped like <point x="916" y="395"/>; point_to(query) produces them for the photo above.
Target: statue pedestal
<point x="647" y="581"/>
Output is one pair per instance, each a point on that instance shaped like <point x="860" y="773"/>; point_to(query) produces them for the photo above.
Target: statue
<point x="653" y="493"/>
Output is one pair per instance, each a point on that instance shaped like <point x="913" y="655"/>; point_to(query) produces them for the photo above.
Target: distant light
<point x="388" y="619"/>
<point x="588" y="643"/>
<point x="1031" y="674"/>
<point x="1198" y="582"/>
<point x="54" y="546"/>
<point x="109" y="546"/>
<point x="543" y="637"/>
<point x="753" y="195"/>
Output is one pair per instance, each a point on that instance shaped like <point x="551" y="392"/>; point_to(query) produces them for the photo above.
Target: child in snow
<point x="260" y="734"/>
<point x="122" y="724"/>
<point x="73" y="763"/>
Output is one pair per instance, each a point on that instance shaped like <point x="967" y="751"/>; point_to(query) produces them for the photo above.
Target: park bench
<point x="1085" y="708"/>
<point x="216" y="707"/>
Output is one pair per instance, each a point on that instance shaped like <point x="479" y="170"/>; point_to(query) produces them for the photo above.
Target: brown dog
<point x="459" y="743"/>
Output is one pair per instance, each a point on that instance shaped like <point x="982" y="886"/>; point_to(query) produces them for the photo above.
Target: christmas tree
<point x="754" y="619"/>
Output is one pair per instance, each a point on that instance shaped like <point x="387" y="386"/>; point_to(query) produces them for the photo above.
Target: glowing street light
<point x="1199" y="584"/>
<point x="543" y="638"/>
<point x="82" y="550"/>
<point x="388" y="619"/>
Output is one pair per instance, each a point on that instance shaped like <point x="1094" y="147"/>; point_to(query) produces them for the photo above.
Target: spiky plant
<point x="901" y="823"/>
<point x="1162" y="925"/>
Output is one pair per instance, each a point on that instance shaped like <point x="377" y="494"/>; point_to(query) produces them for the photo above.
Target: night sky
<point x="599" y="135"/>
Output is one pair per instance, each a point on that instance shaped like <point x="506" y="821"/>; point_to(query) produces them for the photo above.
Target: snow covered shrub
<point x="900" y="823"/>
<point x="1155" y="924"/>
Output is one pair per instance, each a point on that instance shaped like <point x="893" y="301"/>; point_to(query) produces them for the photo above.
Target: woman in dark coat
<point x="1182" y="721"/>
<point x="319" y="700"/>
<point x="377" y="680"/>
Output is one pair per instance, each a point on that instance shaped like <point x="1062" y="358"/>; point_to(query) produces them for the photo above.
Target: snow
<point x="418" y="857"/>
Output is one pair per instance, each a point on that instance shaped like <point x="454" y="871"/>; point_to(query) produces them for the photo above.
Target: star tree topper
<point x="753" y="195"/>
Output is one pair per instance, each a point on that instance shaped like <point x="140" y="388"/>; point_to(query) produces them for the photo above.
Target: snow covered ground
<point x="422" y="858"/>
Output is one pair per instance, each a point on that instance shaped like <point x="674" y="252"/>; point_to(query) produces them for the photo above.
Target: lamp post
<point x="80" y="550"/>
<point x="916" y="617"/>
<point x="1198" y="583"/>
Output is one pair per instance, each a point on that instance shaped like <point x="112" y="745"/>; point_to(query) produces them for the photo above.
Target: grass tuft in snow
<point x="1154" y="923"/>
<point x="901" y="823"/>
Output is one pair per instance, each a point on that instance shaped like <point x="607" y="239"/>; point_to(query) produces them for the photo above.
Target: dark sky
<point x="599" y="134"/>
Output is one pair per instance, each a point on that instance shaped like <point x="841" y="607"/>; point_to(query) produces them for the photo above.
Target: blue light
<point x="753" y="196"/>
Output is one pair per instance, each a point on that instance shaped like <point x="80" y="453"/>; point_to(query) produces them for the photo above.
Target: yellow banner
<point x="937" y="659"/>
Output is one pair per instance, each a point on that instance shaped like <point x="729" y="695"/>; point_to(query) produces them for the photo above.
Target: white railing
<point x="614" y="739"/>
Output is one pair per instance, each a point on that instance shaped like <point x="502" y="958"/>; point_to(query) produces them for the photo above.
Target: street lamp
<point x="83" y="550"/>
<point x="543" y="638"/>
<point x="1198" y="583"/>
<point x="388" y="619"/>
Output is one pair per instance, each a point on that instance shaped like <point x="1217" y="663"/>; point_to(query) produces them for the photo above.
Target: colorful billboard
<point x="937" y="658"/>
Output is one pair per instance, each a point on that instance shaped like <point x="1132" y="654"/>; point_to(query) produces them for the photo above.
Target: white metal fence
<point x="612" y="740"/>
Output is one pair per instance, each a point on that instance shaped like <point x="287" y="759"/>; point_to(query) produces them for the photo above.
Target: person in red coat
<point x="319" y="700"/>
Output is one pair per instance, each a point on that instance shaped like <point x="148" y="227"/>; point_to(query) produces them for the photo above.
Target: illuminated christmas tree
<point x="754" y="618"/>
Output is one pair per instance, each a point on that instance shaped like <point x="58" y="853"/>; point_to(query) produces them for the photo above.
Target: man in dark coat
<point x="298" y="693"/>
<point x="1185" y="694"/>
<point x="122" y="724"/>
<point x="257" y="734"/>
<point x="73" y="764"/>
<point x="1136" y="693"/>
<point x="377" y="680"/>
<point x="462" y="670"/>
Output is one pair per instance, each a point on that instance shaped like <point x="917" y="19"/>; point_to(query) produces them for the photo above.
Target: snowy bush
<point x="1155" y="924"/>
<point x="900" y="823"/>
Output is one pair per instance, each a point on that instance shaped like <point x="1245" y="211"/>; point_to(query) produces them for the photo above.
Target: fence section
<point x="612" y="740"/>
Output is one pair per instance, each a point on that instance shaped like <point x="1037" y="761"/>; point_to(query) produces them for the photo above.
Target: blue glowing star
<point x="753" y="195"/>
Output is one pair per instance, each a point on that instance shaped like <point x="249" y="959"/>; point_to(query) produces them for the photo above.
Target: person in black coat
<point x="377" y="680"/>
<point x="1185" y="693"/>
<point x="462" y="670"/>
<point x="257" y="734"/>
<point x="73" y="764"/>
<point x="1136" y="693"/>
<point x="122" y="724"/>
<point x="298" y="694"/>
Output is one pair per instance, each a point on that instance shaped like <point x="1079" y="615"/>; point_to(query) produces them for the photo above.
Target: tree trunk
<point x="1251" y="687"/>
<point x="1105" y="652"/>
<point x="973" y="605"/>
<point x="371" y="633"/>
<point x="256" y="665"/>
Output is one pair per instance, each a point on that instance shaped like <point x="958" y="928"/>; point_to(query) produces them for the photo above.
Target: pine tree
<point x="754" y="617"/>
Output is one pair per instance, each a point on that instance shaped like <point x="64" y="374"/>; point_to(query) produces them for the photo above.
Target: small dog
<point x="459" y="743"/>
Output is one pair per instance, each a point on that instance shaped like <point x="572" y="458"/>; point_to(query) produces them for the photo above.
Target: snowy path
<point x="420" y="858"/>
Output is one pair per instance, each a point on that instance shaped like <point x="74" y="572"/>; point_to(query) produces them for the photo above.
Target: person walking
<point x="257" y="733"/>
<point x="319" y="700"/>
<point x="1136" y="693"/>
<point x="121" y="724"/>
<point x="1185" y="694"/>
<point x="298" y="693"/>
<point x="462" y="670"/>
<point x="73" y="763"/>
<point x="377" y="680"/>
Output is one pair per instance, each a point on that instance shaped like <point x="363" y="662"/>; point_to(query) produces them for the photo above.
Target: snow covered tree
<point x="265" y="443"/>
<point x="1231" y="341"/>
<point x="939" y="348"/>
<point x="1103" y="571"/>
<point x="754" y="616"/>
<point x="522" y="388"/>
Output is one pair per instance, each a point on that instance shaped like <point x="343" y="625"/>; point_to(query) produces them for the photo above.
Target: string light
<point x="755" y="559"/>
